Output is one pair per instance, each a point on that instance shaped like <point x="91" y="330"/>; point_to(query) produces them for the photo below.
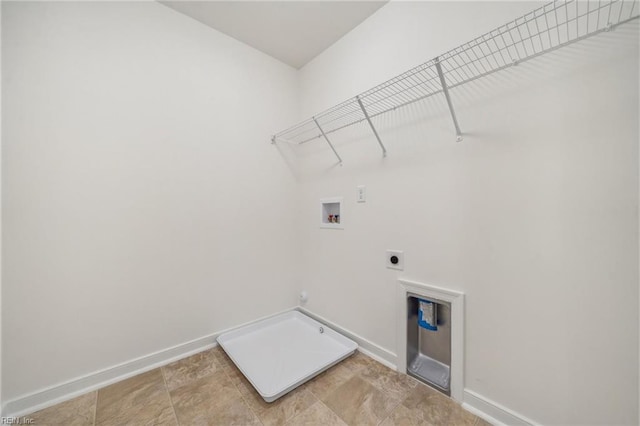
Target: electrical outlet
<point x="361" y="194"/>
<point x="395" y="259"/>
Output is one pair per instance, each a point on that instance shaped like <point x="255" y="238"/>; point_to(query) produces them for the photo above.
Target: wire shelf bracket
<point x="445" y="90"/>
<point x="328" y="141"/>
<point x="545" y="29"/>
<point x="375" y="132"/>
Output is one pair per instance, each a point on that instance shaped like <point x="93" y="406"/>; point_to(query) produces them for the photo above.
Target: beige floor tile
<point x="357" y="362"/>
<point x="387" y="380"/>
<point x="402" y="416"/>
<point x="461" y="417"/>
<point x="142" y="399"/>
<point x="276" y="412"/>
<point x="217" y="349"/>
<point x="213" y="399"/>
<point x="189" y="369"/>
<point x="287" y="407"/>
<point x="249" y="394"/>
<point x="238" y="379"/>
<point x="255" y="402"/>
<point x="229" y="413"/>
<point x="79" y="411"/>
<point x="358" y="402"/>
<point x="429" y="405"/>
<point x="329" y="380"/>
<point x="221" y="358"/>
<point x="426" y="406"/>
<point x="208" y="389"/>
<point x="316" y="415"/>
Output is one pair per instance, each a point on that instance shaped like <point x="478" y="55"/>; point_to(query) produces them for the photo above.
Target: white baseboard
<point x="367" y="347"/>
<point x="59" y="393"/>
<point x="491" y="411"/>
<point x="494" y="413"/>
<point x="56" y="394"/>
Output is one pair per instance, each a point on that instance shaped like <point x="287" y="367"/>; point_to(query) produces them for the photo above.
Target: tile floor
<point x="207" y="389"/>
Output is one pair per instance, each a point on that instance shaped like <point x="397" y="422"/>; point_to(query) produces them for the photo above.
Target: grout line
<point x="318" y="401"/>
<point x="95" y="408"/>
<point x="331" y="409"/>
<point x="390" y="412"/>
<point x="244" y="399"/>
<point x="166" y="388"/>
<point x="394" y="408"/>
<point x="401" y="400"/>
<point x="241" y="396"/>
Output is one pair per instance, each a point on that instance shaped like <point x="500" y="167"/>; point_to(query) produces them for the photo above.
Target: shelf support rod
<point x="445" y="90"/>
<point x="327" y="139"/>
<point x="366" y="115"/>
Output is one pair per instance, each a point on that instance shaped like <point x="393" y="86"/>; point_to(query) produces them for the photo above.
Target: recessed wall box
<point x="331" y="213"/>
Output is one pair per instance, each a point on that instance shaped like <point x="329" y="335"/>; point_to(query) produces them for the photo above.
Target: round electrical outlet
<point x="394" y="259"/>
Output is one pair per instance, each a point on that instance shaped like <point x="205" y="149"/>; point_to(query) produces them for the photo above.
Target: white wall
<point x="143" y="205"/>
<point x="534" y="215"/>
<point x="0" y="207"/>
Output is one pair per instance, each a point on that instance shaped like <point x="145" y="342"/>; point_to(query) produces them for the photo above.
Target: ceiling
<point x="293" y="32"/>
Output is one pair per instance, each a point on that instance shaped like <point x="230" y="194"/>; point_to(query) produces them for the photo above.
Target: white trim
<point x="365" y="346"/>
<point x="477" y="404"/>
<point x="473" y="410"/>
<point x="456" y="299"/>
<point x="62" y="392"/>
<point x="56" y="394"/>
<point x="493" y="412"/>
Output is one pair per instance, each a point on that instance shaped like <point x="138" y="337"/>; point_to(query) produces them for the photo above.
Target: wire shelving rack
<point x="543" y="30"/>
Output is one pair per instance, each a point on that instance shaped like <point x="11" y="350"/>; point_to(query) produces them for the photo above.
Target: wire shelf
<point x="545" y="29"/>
